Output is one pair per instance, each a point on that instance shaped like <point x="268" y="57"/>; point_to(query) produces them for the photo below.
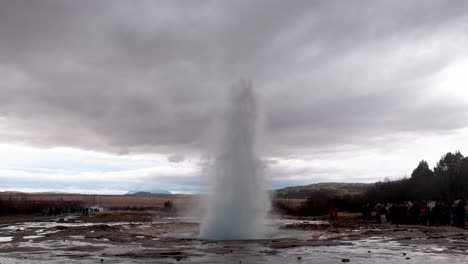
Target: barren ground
<point x="145" y="237"/>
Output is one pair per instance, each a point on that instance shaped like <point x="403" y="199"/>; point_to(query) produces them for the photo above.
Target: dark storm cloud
<point x="150" y="76"/>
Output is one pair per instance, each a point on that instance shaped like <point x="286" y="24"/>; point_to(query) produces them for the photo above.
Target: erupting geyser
<point x="237" y="203"/>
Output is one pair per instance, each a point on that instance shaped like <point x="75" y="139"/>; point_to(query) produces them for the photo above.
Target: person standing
<point x="460" y="213"/>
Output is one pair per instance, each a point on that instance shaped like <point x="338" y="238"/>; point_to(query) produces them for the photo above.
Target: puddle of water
<point x="6" y="239"/>
<point x="438" y="248"/>
<point x="47" y="232"/>
<point x="295" y="221"/>
<point x="78" y="237"/>
<point x="181" y="219"/>
<point x="32" y="237"/>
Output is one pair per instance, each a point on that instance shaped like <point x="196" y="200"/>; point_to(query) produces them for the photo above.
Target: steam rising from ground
<point x="238" y="203"/>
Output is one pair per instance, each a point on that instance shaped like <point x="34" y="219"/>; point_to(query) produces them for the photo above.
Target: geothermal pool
<point x="175" y="239"/>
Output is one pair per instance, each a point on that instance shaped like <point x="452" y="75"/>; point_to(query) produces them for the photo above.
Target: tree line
<point x="447" y="181"/>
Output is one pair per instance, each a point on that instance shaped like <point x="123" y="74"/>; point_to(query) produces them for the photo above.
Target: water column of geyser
<point x="237" y="204"/>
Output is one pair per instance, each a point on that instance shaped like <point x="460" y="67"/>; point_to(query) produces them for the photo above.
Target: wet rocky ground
<point x="141" y="237"/>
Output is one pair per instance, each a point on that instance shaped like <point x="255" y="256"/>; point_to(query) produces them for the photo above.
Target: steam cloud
<point x="237" y="204"/>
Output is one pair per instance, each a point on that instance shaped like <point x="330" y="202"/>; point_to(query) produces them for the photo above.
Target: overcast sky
<point x="107" y="96"/>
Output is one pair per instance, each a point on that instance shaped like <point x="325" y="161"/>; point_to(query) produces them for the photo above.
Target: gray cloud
<point x="176" y="158"/>
<point x="145" y="76"/>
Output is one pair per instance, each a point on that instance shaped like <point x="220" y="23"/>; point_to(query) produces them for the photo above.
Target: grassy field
<point x="104" y="201"/>
<point x="109" y="202"/>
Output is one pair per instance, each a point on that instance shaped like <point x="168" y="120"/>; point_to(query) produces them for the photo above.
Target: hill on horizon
<point x="327" y="189"/>
<point x="148" y="192"/>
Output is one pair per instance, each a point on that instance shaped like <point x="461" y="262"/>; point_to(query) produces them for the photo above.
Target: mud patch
<point x="175" y="239"/>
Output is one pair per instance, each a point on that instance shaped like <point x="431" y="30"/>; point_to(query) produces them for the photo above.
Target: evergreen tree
<point x="448" y="175"/>
<point x="423" y="181"/>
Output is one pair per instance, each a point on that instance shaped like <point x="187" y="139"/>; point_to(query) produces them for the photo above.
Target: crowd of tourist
<point x="433" y="212"/>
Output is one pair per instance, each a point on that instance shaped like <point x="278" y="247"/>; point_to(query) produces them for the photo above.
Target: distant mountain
<point x="324" y="189"/>
<point x="151" y="192"/>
